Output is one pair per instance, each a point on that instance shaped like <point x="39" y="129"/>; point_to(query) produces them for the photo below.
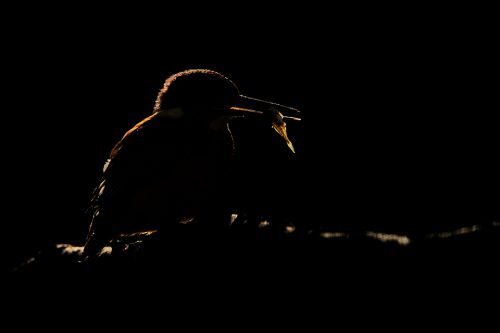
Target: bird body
<point x="176" y="165"/>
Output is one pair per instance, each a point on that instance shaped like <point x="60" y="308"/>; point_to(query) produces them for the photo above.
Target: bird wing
<point x="129" y="135"/>
<point x="136" y="128"/>
<point x="109" y="173"/>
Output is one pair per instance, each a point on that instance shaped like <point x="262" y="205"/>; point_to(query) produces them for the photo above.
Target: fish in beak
<point x="277" y="113"/>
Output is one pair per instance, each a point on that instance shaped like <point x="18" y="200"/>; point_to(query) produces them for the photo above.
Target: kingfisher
<point x="178" y="164"/>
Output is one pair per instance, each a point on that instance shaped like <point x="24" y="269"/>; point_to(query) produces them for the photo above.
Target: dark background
<point x="399" y="132"/>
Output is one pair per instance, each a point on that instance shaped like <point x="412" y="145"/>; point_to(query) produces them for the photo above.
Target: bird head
<point x="207" y="96"/>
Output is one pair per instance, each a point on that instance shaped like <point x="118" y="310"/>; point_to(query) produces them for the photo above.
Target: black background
<point x="398" y="132"/>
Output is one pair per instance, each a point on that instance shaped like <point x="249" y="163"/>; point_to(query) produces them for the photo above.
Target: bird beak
<point x="276" y="112"/>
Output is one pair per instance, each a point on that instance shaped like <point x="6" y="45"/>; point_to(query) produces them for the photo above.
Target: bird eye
<point x="173" y="113"/>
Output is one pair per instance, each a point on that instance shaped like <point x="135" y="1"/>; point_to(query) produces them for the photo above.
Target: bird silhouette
<point x="195" y="158"/>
